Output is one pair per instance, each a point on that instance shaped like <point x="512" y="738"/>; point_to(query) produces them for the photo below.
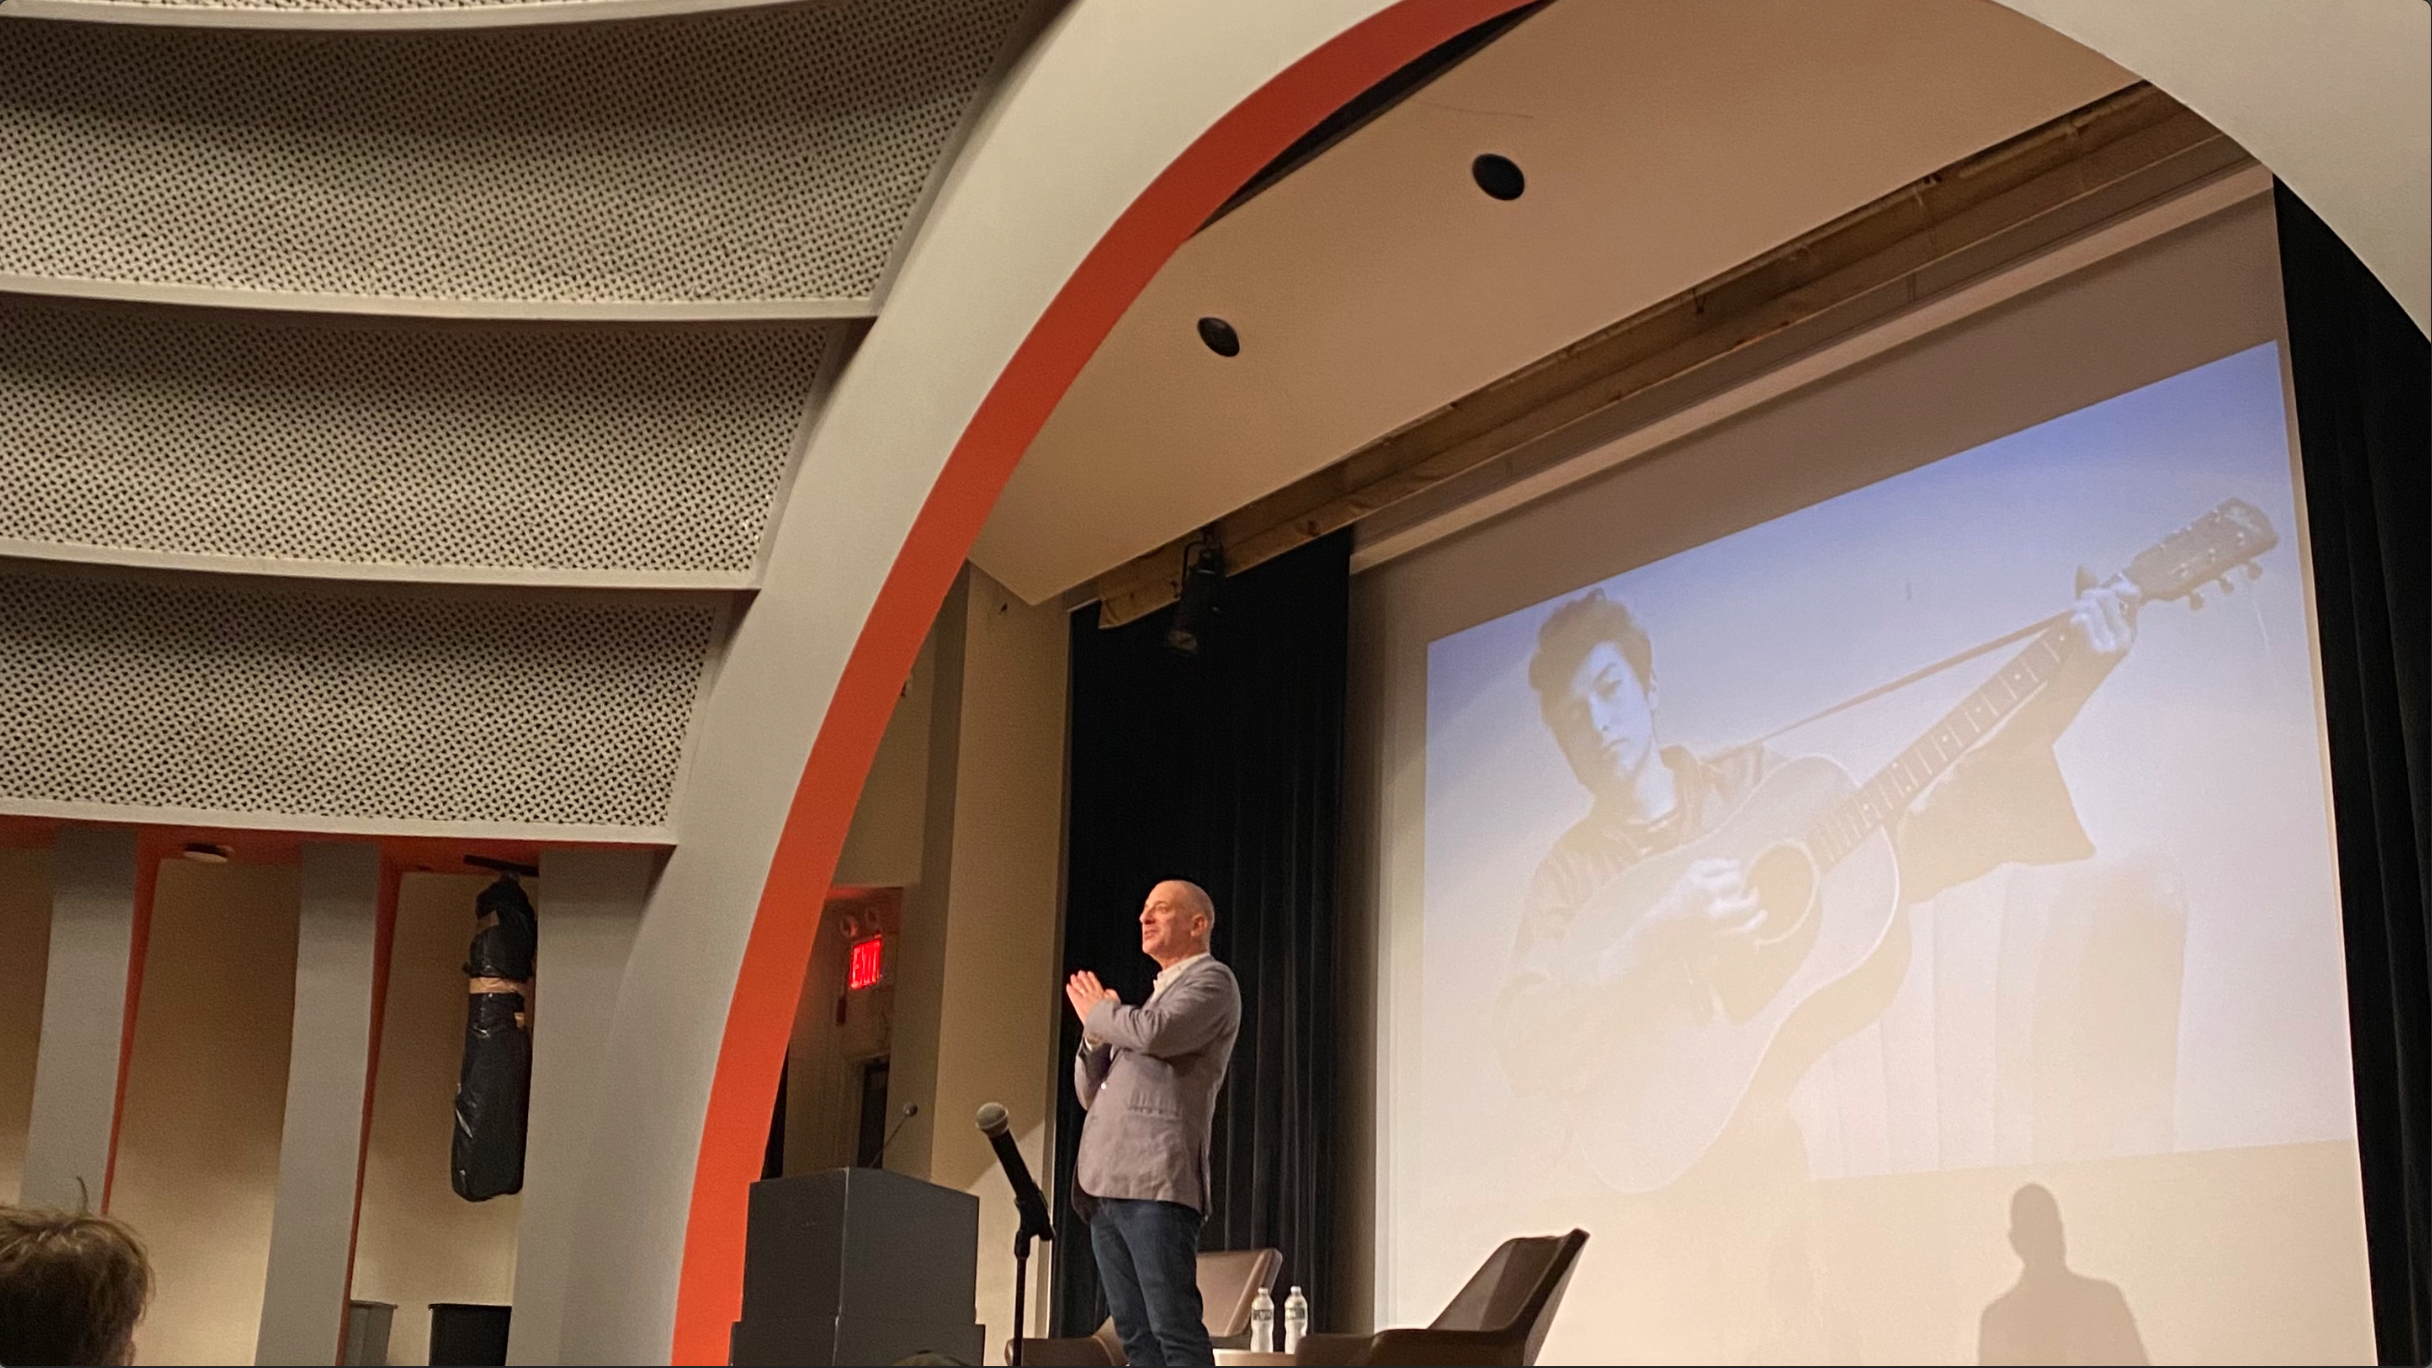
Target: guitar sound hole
<point x="1784" y="881"/>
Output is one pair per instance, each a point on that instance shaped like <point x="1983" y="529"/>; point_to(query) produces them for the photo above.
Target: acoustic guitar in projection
<point x="1675" y="1069"/>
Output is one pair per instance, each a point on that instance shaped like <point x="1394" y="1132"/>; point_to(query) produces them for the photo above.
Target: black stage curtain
<point x="2360" y="369"/>
<point x="1227" y="771"/>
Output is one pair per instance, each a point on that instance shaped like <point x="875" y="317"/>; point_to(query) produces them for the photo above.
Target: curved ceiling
<point x="1663" y="142"/>
<point x="366" y="14"/>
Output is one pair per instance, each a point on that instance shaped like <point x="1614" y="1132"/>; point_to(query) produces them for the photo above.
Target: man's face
<point x="1171" y="926"/>
<point x="1605" y="721"/>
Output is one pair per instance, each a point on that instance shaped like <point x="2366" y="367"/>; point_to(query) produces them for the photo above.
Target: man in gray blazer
<point x="1148" y="1076"/>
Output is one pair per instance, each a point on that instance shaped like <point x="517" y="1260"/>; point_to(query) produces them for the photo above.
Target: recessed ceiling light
<point x="1498" y="176"/>
<point x="1220" y="337"/>
<point x="203" y="852"/>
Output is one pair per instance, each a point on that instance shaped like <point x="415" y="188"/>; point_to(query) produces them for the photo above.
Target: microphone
<point x="911" y="1109"/>
<point x="1027" y="1199"/>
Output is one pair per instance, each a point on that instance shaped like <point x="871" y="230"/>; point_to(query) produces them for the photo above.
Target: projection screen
<point x="1869" y="995"/>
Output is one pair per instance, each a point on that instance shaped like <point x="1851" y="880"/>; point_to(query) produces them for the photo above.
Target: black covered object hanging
<point x="495" y="1084"/>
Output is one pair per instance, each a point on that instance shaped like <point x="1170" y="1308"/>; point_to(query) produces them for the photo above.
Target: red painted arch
<point x="760" y="1016"/>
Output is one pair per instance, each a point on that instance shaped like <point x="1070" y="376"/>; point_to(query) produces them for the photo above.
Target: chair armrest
<point x="1330" y="1351"/>
<point x="1083" y="1352"/>
<point x="1413" y="1349"/>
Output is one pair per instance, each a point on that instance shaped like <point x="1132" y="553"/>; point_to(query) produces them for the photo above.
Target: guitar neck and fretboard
<point x="2231" y="535"/>
<point x="1883" y="798"/>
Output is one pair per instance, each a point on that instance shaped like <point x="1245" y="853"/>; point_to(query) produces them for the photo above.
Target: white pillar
<point x="590" y="906"/>
<point x="312" y="1225"/>
<point x="84" y="1017"/>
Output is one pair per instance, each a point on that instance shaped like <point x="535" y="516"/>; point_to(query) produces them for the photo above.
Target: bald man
<point x="1148" y="1077"/>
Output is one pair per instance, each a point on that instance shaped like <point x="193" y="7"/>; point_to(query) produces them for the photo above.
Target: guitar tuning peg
<point x="2228" y="585"/>
<point x="2253" y="572"/>
<point x="2195" y="600"/>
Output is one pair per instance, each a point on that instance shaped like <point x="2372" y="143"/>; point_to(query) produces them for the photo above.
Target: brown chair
<point x="1500" y="1317"/>
<point x="1229" y="1281"/>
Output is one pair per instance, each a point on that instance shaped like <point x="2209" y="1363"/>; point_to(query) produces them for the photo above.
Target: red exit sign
<point x="867" y="964"/>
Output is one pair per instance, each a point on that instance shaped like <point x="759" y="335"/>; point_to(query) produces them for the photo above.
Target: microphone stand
<point x="1021" y="1292"/>
<point x="1021" y="1281"/>
<point x="1031" y="1220"/>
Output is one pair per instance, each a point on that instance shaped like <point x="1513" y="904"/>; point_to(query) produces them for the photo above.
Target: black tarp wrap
<point x="492" y="1089"/>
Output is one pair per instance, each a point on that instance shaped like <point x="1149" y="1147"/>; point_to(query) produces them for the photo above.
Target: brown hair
<point x="1580" y="626"/>
<point x="72" y="1287"/>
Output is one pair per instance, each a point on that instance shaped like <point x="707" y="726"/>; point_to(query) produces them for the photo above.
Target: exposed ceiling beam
<point x="1977" y="215"/>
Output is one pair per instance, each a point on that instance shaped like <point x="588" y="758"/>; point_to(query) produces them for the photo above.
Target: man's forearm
<point x="1176" y="1024"/>
<point x="1089" y="1072"/>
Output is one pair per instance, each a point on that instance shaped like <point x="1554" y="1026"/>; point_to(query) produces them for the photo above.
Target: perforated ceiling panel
<point x="265" y="698"/>
<point x="760" y="156"/>
<point x="624" y="450"/>
<point x="330" y="6"/>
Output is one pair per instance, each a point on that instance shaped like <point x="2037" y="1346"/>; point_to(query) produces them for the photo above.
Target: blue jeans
<point x="1148" y="1262"/>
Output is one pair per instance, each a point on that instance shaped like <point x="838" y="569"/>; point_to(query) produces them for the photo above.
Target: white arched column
<point x="2335" y="96"/>
<point x="1126" y="123"/>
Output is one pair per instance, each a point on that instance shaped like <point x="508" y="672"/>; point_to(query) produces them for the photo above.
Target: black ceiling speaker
<point x="1220" y="337"/>
<point x="1196" y="607"/>
<point x="1498" y="176"/>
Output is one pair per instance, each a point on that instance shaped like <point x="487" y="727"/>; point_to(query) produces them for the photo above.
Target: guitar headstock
<point x="2234" y="534"/>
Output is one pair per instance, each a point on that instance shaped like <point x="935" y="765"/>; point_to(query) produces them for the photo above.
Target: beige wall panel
<point x="997" y="1027"/>
<point x="920" y="946"/>
<point x="25" y="949"/>
<point x="198" y="1140"/>
<point x="883" y="849"/>
<point x="976" y="960"/>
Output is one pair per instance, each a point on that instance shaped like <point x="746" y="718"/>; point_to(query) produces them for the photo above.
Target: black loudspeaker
<point x="464" y="1333"/>
<point x="858" y="1266"/>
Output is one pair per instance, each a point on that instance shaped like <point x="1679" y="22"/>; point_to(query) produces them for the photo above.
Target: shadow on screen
<point x="1807" y="1327"/>
<point x="2053" y="1315"/>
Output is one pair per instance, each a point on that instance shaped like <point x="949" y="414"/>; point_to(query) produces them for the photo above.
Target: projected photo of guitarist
<point x="1708" y="909"/>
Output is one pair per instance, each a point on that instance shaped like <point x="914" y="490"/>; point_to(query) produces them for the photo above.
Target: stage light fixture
<point x="1220" y="337"/>
<point x="1197" y="605"/>
<point x="1498" y="176"/>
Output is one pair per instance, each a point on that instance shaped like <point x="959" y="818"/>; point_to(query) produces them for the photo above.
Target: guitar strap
<point x="1947" y="662"/>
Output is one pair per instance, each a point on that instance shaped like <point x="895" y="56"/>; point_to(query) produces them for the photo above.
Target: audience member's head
<point x="72" y="1287"/>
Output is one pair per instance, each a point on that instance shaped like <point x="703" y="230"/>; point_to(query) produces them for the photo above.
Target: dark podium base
<point x="857" y="1266"/>
<point x="466" y="1334"/>
<point x="849" y="1340"/>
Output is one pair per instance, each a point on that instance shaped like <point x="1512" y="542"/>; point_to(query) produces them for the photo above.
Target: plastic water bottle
<point x="1262" y="1324"/>
<point x="1296" y="1320"/>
